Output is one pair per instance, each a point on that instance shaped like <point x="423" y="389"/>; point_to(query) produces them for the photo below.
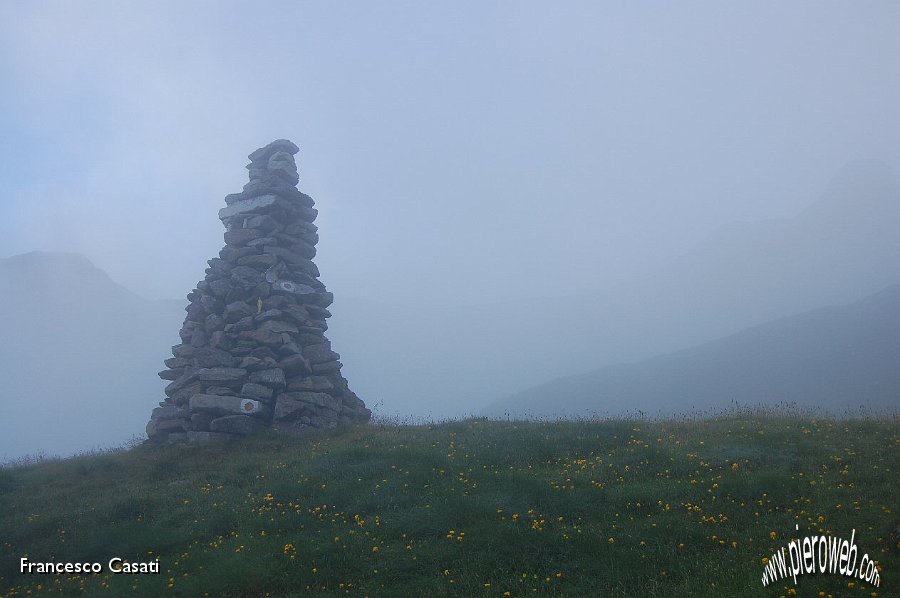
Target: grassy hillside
<point x="470" y="508"/>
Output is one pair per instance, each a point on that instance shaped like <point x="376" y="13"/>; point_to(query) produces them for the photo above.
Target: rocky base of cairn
<point x="253" y="351"/>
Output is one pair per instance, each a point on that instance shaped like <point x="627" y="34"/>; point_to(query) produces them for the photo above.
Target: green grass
<point x="466" y="508"/>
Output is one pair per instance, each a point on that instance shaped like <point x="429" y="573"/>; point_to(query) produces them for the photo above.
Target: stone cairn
<point x="253" y="350"/>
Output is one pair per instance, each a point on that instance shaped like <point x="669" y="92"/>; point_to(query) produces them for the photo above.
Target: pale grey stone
<point x="254" y="205"/>
<point x="225" y="405"/>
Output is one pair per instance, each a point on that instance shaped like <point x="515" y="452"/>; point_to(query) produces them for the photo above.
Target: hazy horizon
<point x="507" y="192"/>
<point x="452" y="152"/>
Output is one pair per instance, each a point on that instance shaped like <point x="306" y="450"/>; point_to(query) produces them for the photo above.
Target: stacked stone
<point x="253" y="350"/>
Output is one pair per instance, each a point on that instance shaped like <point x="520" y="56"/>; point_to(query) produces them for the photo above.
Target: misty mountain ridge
<point x="79" y="355"/>
<point x="830" y="359"/>
<point x="80" y="352"/>
<point x="39" y="273"/>
<point x="841" y="248"/>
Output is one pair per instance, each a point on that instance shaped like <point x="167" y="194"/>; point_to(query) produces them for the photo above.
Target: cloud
<point x="454" y="151"/>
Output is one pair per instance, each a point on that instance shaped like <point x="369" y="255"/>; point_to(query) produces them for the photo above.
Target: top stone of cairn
<point x="273" y="166"/>
<point x="279" y="145"/>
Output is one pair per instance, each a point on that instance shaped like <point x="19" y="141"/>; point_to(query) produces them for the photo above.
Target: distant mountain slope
<point x="39" y="274"/>
<point x="834" y="358"/>
<point x="453" y="360"/>
<point x="78" y="355"/>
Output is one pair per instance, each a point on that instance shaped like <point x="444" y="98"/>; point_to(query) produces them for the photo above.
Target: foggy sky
<point x="458" y="152"/>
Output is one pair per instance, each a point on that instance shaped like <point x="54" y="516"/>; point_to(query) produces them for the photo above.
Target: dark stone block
<point x="196" y="312"/>
<point x="318" y="313"/>
<point x="177" y="362"/>
<point x="184" y="380"/>
<point x="264" y="260"/>
<point x="237" y="310"/>
<point x="231" y="254"/>
<point x="237" y="293"/>
<point x="168" y="412"/>
<point x="245" y="323"/>
<point x="277" y="302"/>
<point x="319" y="353"/>
<point x="183" y="351"/>
<point x="200" y="421"/>
<point x="224" y="376"/>
<point x="327" y="368"/>
<point x="218" y="264"/>
<point x="261" y="291"/>
<point x="220" y="287"/>
<point x="303" y="248"/>
<point x="223" y="391"/>
<point x="263" y="222"/>
<point x="187" y="332"/>
<point x="301" y="228"/>
<point x="212" y="304"/>
<point x="257" y="201"/>
<point x="288" y="349"/>
<point x="183" y="395"/>
<point x="311" y="238"/>
<point x="240" y="350"/>
<point x="310" y="384"/>
<point x="251" y="364"/>
<point x="294" y="259"/>
<point x="321" y="299"/>
<point x="246" y="276"/>
<point x="279" y="326"/>
<point x="213" y="322"/>
<point x="167" y="426"/>
<point x="263" y="353"/>
<point x="252" y="390"/>
<point x="262" y="337"/>
<point x="295" y="365"/>
<point x="273" y="378"/>
<point x="279" y="145"/>
<point x="226" y="405"/>
<point x="269" y="314"/>
<point x="240" y="236"/>
<point x="262" y="242"/>
<point x="220" y="340"/>
<point x="311" y="338"/>
<point x="298" y="313"/>
<point x="291" y="405"/>
<point x="338" y="381"/>
<point x="198" y="338"/>
<point x="306" y="214"/>
<point x="172" y="374"/>
<point x="209" y="357"/>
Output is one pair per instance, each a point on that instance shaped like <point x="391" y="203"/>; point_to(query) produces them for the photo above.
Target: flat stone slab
<point x="319" y="353"/>
<point x="279" y="145"/>
<point x="289" y="286"/>
<point x="220" y="374"/>
<point x="291" y="405"/>
<point x="255" y="391"/>
<point x="254" y="205"/>
<point x="225" y="405"/>
<point x="273" y="377"/>
<point x="311" y="384"/>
